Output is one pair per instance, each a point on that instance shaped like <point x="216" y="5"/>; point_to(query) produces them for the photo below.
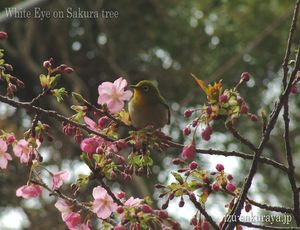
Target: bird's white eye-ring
<point x="146" y="88"/>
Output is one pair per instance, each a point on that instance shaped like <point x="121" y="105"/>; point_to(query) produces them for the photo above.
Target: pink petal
<point x="90" y="122"/>
<point x="62" y="206"/>
<point x="3" y="162"/>
<point x="99" y="192"/>
<point x="29" y="191"/>
<point x="115" y="106"/>
<point x="105" y="88"/>
<point x="104" y="98"/>
<point x="104" y="213"/>
<point x="58" y="179"/>
<point x="126" y="95"/>
<point x="3" y="146"/>
<point x="120" y="83"/>
<point x="7" y="156"/>
<point x="24" y="158"/>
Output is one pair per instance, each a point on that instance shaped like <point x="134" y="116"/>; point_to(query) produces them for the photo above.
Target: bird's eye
<point x="146" y="88"/>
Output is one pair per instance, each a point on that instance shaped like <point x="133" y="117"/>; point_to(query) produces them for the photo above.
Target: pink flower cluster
<point x="114" y="95"/>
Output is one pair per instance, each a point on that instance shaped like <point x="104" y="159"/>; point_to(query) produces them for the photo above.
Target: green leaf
<point x="178" y="177"/>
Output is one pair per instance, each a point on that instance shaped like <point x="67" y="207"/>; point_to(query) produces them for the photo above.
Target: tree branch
<point x="271" y="124"/>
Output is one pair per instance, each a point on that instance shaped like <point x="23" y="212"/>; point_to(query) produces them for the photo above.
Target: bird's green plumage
<point x="148" y="107"/>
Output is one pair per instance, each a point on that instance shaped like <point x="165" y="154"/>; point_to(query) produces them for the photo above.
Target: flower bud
<point x="3" y="35"/>
<point x="248" y="207"/>
<point x="146" y="209"/>
<point x="219" y="167"/>
<point x="10" y="139"/>
<point x="163" y="214"/>
<point x="181" y="202"/>
<point x="193" y="165"/>
<point x="120" y="209"/>
<point x="244" y="109"/>
<point x="229" y="177"/>
<point x="177" y="161"/>
<point x="186" y="131"/>
<point x="231" y="187"/>
<point x="102" y="122"/>
<point x="188" y="113"/>
<point x="294" y="89"/>
<point x="206" y="133"/>
<point x="205" y="225"/>
<point x="215" y="187"/>
<point x="165" y="205"/>
<point x="121" y="195"/>
<point x="189" y="151"/>
<point x="223" y="98"/>
<point x="195" y="122"/>
<point x="245" y="76"/>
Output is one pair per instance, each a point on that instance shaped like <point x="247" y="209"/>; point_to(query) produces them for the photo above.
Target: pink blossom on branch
<point x="103" y="204"/>
<point x="29" y="191"/>
<point x="114" y="95"/>
<point x="23" y="150"/>
<point x="4" y="156"/>
<point x="58" y="179"/>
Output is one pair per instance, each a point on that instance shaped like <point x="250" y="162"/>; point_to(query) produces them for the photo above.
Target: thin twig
<point x="245" y="156"/>
<point x="204" y="213"/>
<point x="289" y="157"/>
<point x="53" y="114"/>
<point x="271" y="208"/>
<point x="243" y="140"/>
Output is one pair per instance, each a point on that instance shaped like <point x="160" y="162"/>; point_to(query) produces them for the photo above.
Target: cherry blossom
<point x="103" y="204"/>
<point x="58" y="179"/>
<point x="23" y="150"/>
<point x="29" y="191"/>
<point x="114" y="95"/>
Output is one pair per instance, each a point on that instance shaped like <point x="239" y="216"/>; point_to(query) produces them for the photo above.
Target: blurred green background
<point x="157" y="40"/>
